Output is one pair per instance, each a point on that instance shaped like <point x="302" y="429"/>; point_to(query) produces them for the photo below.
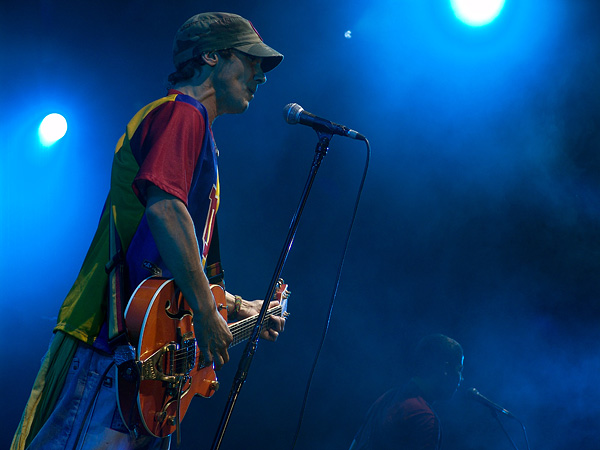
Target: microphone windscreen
<point x="291" y="113"/>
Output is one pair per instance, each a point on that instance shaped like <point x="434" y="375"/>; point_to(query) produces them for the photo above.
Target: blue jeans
<point x="86" y="416"/>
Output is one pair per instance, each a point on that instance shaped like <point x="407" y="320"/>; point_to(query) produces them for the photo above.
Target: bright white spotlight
<point x="52" y="128"/>
<point x="477" y="12"/>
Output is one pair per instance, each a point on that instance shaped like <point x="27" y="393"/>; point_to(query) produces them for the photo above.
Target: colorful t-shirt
<point x="169" y="144"/>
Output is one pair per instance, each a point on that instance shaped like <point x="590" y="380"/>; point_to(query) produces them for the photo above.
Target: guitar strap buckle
<point x="116" y="259"/>
<point x="127" y="365"/>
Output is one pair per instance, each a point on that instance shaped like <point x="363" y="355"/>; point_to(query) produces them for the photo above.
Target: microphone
<point x="293" y="113"/>
<point x="475" y="395"/>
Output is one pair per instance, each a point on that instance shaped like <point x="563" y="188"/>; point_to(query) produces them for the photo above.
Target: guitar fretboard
<point x="242" y="330"/>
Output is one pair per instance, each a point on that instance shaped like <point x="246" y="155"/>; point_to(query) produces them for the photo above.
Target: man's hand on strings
<point x="212" y="337"/>
<point x="274" y="325"/>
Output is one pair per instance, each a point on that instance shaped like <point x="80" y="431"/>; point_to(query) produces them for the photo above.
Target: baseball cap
<point x="212" y="31"/>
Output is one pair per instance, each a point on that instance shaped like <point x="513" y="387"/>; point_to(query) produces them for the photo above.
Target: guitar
<point x="155" y="389"/>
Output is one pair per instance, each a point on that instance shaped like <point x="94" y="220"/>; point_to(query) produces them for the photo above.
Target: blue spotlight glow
<point x="52" y="128"/>
<point x="477" y="13"/>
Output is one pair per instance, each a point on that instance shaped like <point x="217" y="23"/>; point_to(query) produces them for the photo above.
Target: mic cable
<point x="333" y="295"/>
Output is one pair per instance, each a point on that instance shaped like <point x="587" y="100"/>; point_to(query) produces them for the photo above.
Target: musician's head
<point x="438" y="366"/>
<point x="206" y="37"/>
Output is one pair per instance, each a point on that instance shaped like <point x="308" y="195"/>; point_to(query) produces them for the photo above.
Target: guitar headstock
<point x="282" y="294"/>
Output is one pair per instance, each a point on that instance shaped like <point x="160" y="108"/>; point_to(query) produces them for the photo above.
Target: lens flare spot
<point x="52" y="128"/>
<point x="477" y="13"/>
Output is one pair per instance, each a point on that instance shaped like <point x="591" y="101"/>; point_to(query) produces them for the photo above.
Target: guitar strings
<point x="242" y="329"/>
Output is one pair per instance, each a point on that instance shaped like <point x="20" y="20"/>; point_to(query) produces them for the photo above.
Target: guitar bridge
<point x="171" y="362"/>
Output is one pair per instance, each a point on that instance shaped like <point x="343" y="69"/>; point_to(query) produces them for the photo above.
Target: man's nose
<point x="260" y="78"/>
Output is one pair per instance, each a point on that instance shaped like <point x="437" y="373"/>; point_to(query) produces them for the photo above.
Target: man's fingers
<point x="270" y="334"/>
<point x="206" y="356"/>
<point x="221" y="358"/>
<point x="218" y="357"/>
<point x="277" y="323"/>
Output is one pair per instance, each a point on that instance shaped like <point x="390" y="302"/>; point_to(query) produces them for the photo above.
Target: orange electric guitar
<point x="156" y="388"/>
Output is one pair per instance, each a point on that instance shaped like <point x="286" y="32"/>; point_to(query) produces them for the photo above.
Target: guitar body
<point x="159" y="324"/>
<point x="155" y="389"/>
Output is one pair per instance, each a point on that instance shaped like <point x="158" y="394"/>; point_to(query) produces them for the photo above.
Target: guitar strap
<point x="213" y="269"/>
<point x="117" y="334"/>
<point x="128" y="368"/>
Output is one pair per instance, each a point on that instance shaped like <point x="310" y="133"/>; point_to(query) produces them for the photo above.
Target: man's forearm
<point x="175" y="237"/>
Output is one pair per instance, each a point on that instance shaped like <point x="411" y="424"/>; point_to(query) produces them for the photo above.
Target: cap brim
<point x="271" y="58"/>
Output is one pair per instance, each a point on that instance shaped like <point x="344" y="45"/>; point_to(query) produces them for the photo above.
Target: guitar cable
<point x="178" y="414"/>
<point x="333" y="296"/>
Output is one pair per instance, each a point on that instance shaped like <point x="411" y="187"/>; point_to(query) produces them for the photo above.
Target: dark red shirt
<point x="400" y="419"/>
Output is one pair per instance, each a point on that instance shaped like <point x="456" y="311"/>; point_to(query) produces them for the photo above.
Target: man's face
<point x="453" y="377"/>
<point x="236" y="81"/>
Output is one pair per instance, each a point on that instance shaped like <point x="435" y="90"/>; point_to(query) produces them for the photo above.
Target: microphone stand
<point x="495" y="414"/>
<point x="250" y="350"/>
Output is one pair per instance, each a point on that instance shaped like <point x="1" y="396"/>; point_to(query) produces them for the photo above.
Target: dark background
<point x="479" y="217"/>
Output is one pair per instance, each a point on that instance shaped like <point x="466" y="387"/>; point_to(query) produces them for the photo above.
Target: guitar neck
<point x="242" y="330"/>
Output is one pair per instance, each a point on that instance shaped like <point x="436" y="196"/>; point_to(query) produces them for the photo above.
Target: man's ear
<point x="210" y="58"/>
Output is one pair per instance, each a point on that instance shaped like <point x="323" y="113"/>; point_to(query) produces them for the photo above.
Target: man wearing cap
<point x="158" y="219"/>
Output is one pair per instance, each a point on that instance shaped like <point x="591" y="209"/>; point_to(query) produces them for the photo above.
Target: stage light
<point x="52" y="128"/>
<point x="477" y="13"/>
